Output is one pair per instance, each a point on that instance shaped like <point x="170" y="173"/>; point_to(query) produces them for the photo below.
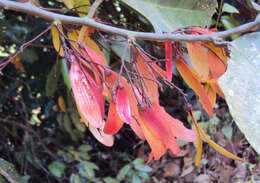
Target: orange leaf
<point x="150" y="87"/>
<point x="168" y="56"/>
<point x="217" y="66"/>
<point x="56" y="39"/>
<point x="211" y="91"/>
<point x="188" y="76"/>
<point x="87" y="99"/>
<point x="199" y="59"/>
<point x="114" y="122"/>
<point x="219" y="91"/>
<point x="62" y="104"/>
<point x="157" y="147"/>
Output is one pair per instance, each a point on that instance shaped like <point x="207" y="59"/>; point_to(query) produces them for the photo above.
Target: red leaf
<point x="217" y="66"/>
<point x="168" y="56"/>
<point x="114" y="122"/>
<point x="193" y="82"/>
<point x="176" y="126"/>
<point x="123" y="105"/>
<point x="85" y="95"/>
<point x="159" y="128"/>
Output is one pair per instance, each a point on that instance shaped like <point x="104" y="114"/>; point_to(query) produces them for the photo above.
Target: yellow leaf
<point x="69" y="3"/>
<point x="83" y="5"/>
<point x="199" y="141"/>
<point x="56" y="40"/>
<point x="212" y="143"/>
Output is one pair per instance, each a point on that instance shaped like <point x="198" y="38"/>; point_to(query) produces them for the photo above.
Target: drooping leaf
<point x="113" y="122"/>
<point x="83" y="6"/>
<point x="168" y="56"/>
<point x="65" y="73"/>
<point x="107" y="140"/>
<point x="168" y="15"/>
<point x="240" y="84"/>
<point x="52" y="80"/>
<point x="199" y="59"/>
<point x="217" y="67"/>
<point x="211" y="92"/>
<point x="56" y="39"/>
<point x="86" y="98"/>
<point x="62" y="104"/>
<point x="123" y="105"/>
<point x="189" y="77"/>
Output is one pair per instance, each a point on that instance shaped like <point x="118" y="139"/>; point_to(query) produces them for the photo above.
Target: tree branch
<point x="94" y="7"/>
<point x="28" y="8"/>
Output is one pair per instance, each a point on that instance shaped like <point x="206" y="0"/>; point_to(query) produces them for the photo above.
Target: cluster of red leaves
<point x="93" y="83"/>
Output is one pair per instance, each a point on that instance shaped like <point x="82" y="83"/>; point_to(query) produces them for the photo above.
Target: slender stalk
<point x="36" y="11"/>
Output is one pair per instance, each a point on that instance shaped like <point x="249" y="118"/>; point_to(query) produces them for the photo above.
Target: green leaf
<point x="52" y="80"/>
<point x="143" y="168"/>
<point x="9" y="169"/>
<point x="122" y="173"/>
<point x="84" y="148"/>
<point x="168" y="15"/>
<point x="227" y="131"/>
<point x="110" y="180"/>
<point x="29" y="55"/>
<point x="229" y="8"/>
<point x="144" y="175"/>
<point x="57" y="168"/>
<point x="229" y="23"/>
<point x="118" y="47"/>
<point x="65" y="73"/>
<point x="241" y="87"/>
<point x="135" y="179"/>
<point x="138" y="161"/>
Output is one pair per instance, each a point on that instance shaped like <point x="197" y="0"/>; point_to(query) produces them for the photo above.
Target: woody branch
<point x="31" y="9"/>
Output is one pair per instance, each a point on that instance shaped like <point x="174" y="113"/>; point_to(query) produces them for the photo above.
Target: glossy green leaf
<point x="167" y="15"/>
<point x="57" y="168"/>
<point x="241" y="87"/>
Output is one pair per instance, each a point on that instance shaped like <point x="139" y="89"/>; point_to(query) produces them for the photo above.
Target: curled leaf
<point x="123" y="105"/>
<point x="56" y="39"/>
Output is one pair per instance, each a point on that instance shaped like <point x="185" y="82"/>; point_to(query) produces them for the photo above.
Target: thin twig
<point x="93" y="8"/>
<point x="36" y="11"/>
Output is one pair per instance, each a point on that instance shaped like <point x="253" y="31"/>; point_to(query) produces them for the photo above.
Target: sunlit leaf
<point x="69" y="3"/>
<point x="82" y="6"/>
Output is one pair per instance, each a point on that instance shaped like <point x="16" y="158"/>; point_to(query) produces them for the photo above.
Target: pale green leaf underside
<point x="241" y="87"/>
<point x="167" y="15"/>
